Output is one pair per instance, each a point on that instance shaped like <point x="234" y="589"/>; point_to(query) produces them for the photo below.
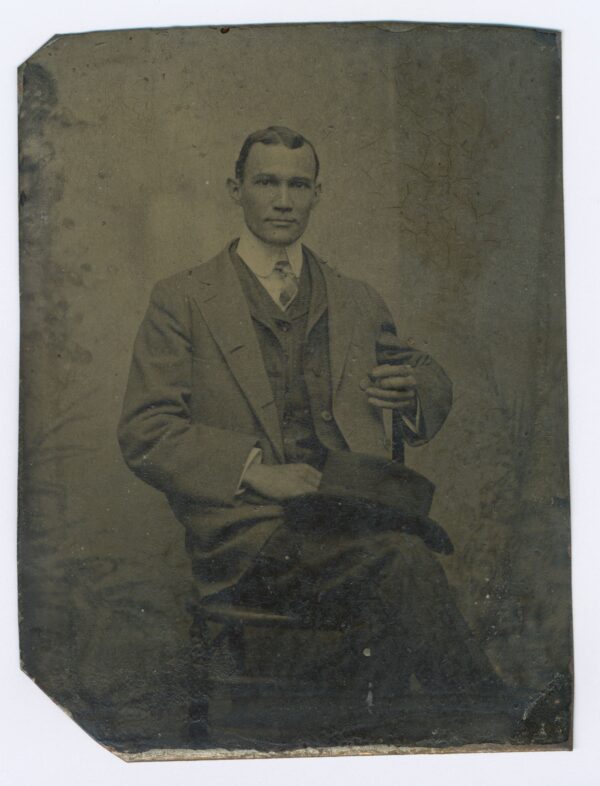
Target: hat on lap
<point x="360" y="493"/>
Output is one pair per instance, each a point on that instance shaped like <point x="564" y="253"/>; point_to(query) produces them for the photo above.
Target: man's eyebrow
<point x="293" y="179"/>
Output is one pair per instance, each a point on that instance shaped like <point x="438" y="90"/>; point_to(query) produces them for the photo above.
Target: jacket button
<point x="364" y="384"/>
<point x="326" y="415"/>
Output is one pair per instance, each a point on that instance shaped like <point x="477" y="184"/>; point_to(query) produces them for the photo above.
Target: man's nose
<point x="282" y="198"/>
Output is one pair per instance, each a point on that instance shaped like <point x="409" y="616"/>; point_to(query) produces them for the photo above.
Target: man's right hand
<point x="282" y="481"/>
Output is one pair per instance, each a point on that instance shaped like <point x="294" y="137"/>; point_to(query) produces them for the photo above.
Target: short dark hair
<point x="273" y="135"/>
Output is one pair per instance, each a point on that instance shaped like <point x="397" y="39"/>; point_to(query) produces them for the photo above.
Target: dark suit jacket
<point x="198" y="399"/>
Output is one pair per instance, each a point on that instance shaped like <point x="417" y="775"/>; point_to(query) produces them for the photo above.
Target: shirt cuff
<point x="254" y="455"/>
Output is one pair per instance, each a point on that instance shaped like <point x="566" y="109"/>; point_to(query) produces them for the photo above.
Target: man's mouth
<point x="282" y="221"/>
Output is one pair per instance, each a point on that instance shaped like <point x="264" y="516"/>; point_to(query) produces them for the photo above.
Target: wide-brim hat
<point x="360" y="493"/>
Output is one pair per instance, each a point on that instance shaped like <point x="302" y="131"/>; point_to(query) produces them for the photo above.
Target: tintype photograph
<point x="293" y="433"/>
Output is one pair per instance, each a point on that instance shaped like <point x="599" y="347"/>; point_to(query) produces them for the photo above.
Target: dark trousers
<point x="362" y="621"/>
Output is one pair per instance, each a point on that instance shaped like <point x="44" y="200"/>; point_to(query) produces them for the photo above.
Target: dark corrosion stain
<point x="39" y="97"/>
<point x="51" y="322"/>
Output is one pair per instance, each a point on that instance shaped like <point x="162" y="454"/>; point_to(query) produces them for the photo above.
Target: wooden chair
<point x="264" y="680"/>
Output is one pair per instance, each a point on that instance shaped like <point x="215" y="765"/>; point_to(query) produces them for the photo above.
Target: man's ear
<point x="234" y="187"/>
<point x="317" y="195"/>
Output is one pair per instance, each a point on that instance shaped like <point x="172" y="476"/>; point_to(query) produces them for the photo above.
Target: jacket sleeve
<point x="158" y="439"/>
<point x="434" y="387"/>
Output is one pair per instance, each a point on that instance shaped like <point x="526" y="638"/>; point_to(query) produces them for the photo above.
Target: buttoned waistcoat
<point x="294" y="347"/>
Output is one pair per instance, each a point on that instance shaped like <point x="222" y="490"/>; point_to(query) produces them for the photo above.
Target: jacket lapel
<point x="342" y="319"/>
<point x="221" y="300"/>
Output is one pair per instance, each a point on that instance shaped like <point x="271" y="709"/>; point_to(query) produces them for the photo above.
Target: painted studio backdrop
<point x="440" y="151"/>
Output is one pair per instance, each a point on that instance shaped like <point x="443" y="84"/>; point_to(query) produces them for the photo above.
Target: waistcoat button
<point x="326" y="415"/>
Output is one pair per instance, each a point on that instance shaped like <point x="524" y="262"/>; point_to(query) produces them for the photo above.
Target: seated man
<point x="250" y="372"/>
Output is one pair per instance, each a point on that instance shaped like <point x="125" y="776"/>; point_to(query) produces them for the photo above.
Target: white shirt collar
<point x="262" y="257"/>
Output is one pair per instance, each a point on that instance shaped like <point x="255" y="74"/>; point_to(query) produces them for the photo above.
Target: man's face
<point x="278" y="192"/>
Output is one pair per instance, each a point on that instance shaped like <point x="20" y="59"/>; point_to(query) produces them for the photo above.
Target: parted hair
<point x="273" y="135"/>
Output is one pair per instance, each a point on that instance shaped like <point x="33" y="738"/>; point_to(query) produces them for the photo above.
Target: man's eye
<point x="299" y="184"/>
<point x="264" y="181"/>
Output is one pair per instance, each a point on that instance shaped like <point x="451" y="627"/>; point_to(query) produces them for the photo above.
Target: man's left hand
<point x="394" y="387"/>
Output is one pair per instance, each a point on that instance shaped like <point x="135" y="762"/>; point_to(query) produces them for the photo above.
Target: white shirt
<point x="262" y="257"/>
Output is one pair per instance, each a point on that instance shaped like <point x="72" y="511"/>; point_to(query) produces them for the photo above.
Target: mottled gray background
<point x="441" y="168"/>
